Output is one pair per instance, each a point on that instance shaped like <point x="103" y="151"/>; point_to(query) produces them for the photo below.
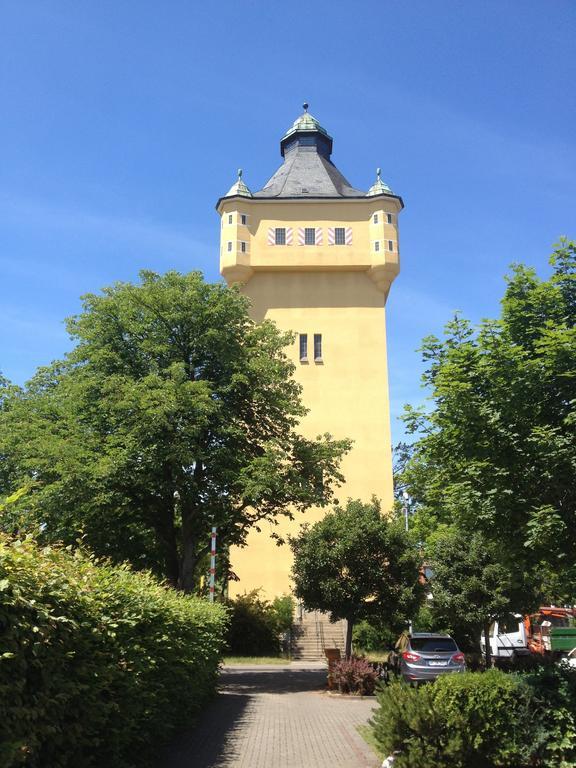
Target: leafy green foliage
<point x="496" y="453"/>
<point x="95" y="659"/>
<point x="357" y="564"/>
<point x="475" y="720"/>
<point x="174" y="412"/>
<point x="256" y="624"/>
<point x="374" y="635"/>
<point x="471" y="585"/>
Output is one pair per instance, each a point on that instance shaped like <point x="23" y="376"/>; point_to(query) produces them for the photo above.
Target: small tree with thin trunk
<point x="357" y="564"/>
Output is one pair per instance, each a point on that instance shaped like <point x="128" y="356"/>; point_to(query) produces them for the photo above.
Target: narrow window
<point x="229" y="245"/>
<point x="377" y="245"/>
<point x="389" y="218"/>
<point x="243" y="247"/>
<point x="243" y="219"/>
<point x="375" y="218"/>
<point x="339" y="236"/>
<point x="229" y="218"/>
<point x="390" y="245"/>
<point x="310" y="236"/>
<point x="303" y="347"/>
<point x="318" y="347"/>
<point x="280" y="236"/>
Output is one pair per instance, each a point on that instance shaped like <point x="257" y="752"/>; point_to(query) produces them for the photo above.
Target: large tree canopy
<point x="173" y="413"/>
<point x="357" y="564"/>
<point x="497" y="451"/>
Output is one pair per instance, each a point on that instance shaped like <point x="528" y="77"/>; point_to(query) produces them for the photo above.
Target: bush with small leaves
<point x="98" y="665"/>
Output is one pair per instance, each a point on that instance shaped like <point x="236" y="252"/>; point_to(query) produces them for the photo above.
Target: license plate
<point x="438" y="663"/>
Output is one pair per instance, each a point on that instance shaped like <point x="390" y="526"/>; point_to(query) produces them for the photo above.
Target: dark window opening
<point x="280" y="237"/>
<point x="303" y="346"/>
<point x="310" y="236"/>
<point x="317" y="347"/>
<point x="243" y="219"/>
<point x="340" y="236"/>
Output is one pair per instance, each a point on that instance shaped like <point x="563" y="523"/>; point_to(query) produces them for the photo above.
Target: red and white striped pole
<point x="212" y="562"/>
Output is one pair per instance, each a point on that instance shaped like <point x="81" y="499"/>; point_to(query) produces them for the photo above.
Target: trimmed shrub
<point x="354" y="676"/>
<point x="98" y="665"/>
<point x="256" y="624"/>
<point x="473" y="720"/>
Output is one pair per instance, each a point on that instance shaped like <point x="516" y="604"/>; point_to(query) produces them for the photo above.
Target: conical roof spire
<point x="239" y="188"/>
<point x="379" y="187"/>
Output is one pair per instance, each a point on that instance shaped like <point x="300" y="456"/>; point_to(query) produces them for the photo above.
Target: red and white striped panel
<point x="331" y="235"/>
<point x="288" y="235"/>
<point x="348" y="235"/>
<point x="318" y="235"/>
<point x="301" y="236"/>
<point x="271" y="236"/>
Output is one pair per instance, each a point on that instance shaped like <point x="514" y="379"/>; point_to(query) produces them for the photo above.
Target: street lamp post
<point x="406" y="509"/>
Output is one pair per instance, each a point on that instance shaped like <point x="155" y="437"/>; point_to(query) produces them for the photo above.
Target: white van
<point x="507" y="637"/>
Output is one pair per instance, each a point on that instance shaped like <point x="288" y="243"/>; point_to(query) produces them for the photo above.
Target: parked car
<point x="424" y="656"/>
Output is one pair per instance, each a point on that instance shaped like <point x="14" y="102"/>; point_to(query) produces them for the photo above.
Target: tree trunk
<point x="189" y="561"/>
<point x="487" y="647"/>
<point x="166" y="532"/>
<point x="349" y="627"/>
<point x="171" y="559"/>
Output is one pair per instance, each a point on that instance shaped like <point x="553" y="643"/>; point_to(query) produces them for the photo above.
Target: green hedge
<point x="481" y="720"/>
<point x="98" y="665"/>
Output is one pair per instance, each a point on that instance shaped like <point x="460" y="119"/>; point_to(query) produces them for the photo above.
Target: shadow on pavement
<point x="215" y="740"/>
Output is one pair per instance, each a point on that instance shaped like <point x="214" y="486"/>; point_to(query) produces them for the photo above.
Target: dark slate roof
<point x="307" y="170"/>
<point x="306" y="173"/>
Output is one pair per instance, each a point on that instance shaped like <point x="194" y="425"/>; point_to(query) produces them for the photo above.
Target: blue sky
<point x="123" y="122"/>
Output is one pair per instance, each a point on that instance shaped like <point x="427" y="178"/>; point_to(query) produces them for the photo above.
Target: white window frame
<point x="229" y="247"/>
<point x="230" y="218"/>
<point x="375" y="218"/>
<point x="377" y="246"/>
<point x="389" y="218"/>
<point x="244" y="219"/>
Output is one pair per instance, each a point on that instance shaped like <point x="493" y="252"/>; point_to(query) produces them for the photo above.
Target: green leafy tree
<point x="357" y="564"/>
<point x="496" y="453"/>
<point x="471" y="587"/>
<point x="173" y="413"/>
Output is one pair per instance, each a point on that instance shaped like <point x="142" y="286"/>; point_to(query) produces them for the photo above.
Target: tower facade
<point x="317" y="256"/>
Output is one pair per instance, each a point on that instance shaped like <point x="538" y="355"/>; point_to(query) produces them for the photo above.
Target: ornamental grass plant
<point x="99" y="665"/>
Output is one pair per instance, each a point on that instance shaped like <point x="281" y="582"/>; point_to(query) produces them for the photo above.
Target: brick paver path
<point x="276" y="717"/>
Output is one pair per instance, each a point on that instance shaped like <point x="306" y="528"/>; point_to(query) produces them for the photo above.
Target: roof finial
<point x="378" y="172"/>
<point x="239" y="173"/>
<point x="305" y="105"/>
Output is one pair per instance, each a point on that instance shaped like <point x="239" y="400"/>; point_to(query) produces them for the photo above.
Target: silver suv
<point x="423" y="656"/>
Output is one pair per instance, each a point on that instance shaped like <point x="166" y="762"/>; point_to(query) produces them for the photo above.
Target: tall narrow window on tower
<point x="280" y="236"/>
<point x="317" y="347"/>
<point x="303" y="347"/>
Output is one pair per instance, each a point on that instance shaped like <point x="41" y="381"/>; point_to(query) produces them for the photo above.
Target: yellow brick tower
<point x="318" y="257"/>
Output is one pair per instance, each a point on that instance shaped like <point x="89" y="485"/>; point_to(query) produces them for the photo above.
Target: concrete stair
<point x="313" y="632"/>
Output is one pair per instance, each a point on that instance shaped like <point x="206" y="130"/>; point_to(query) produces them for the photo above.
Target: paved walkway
<point x="276" y="717"/>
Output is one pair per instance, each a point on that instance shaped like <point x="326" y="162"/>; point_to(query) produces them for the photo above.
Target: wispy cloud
<point x="148" y="235"/>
